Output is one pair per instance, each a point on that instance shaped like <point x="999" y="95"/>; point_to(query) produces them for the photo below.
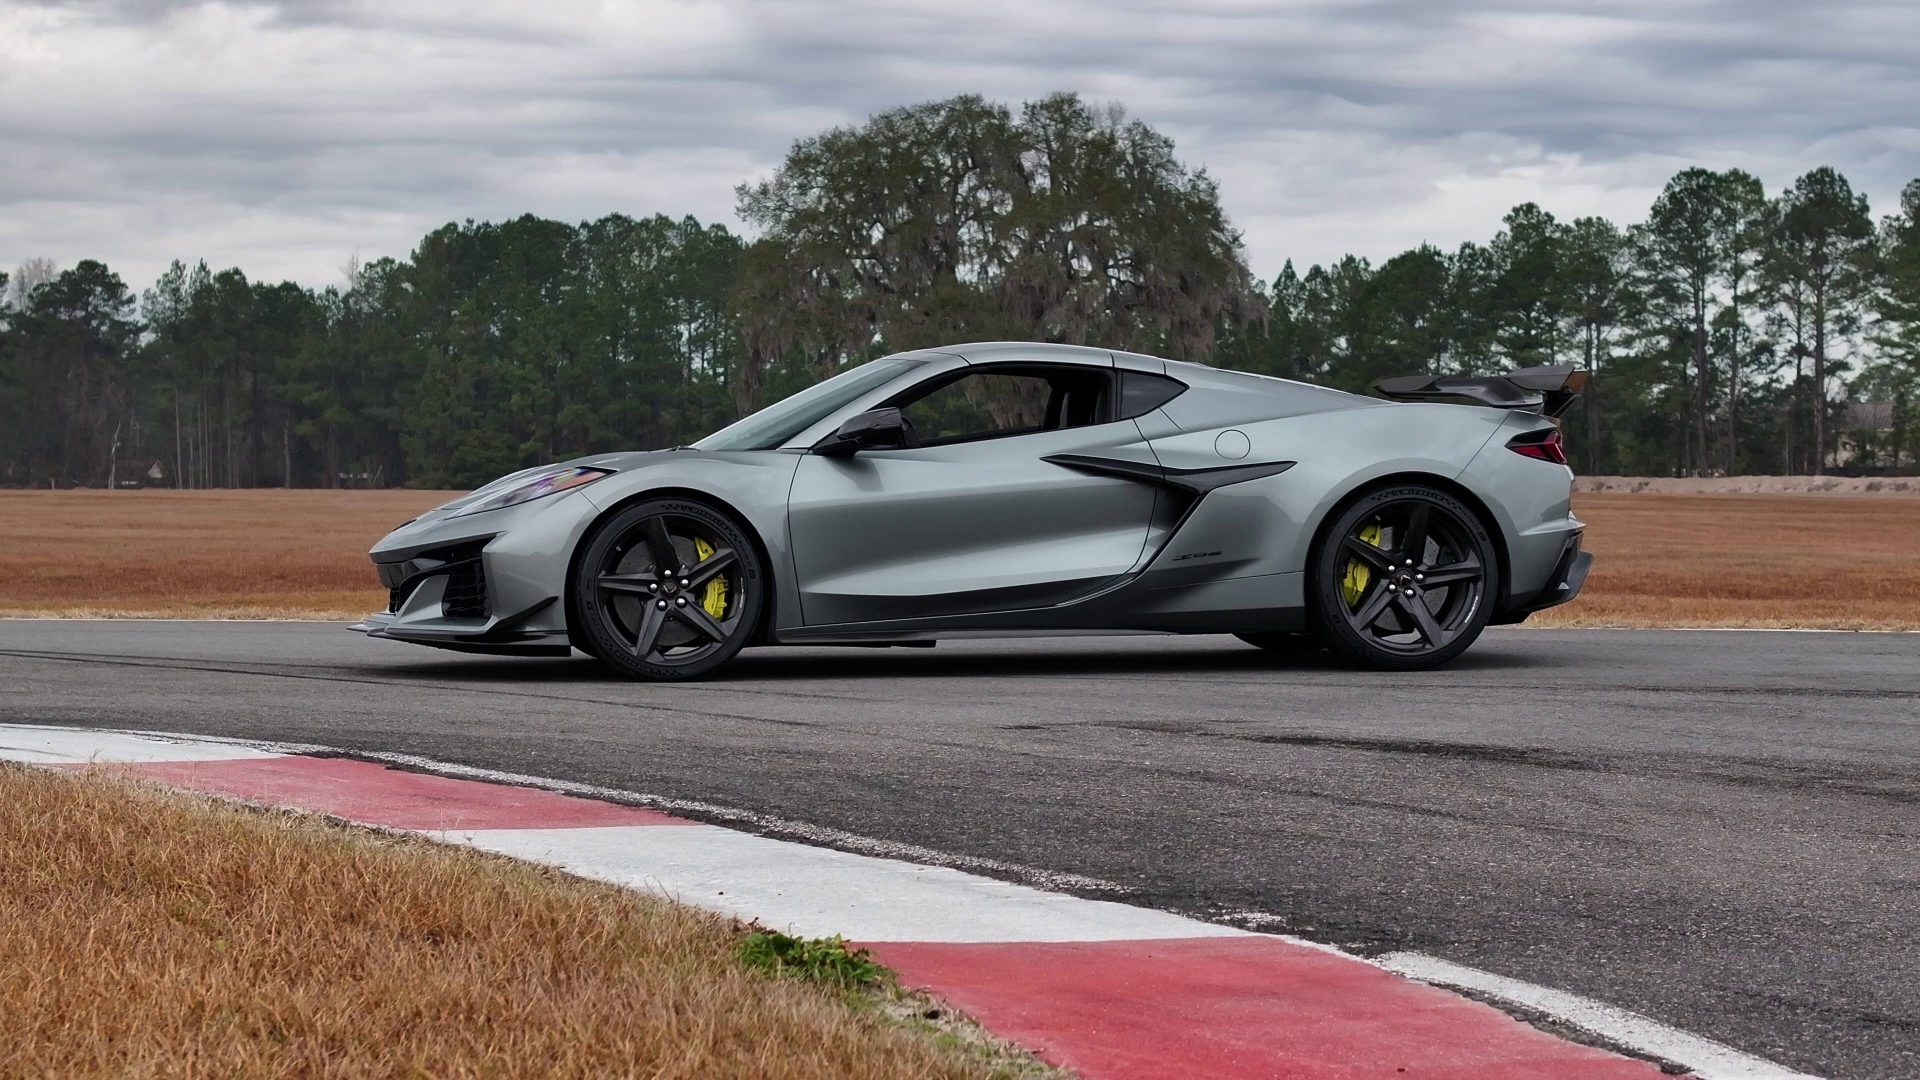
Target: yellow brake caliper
<point x="715" y="598"/>
<point x="1354" y="585"/>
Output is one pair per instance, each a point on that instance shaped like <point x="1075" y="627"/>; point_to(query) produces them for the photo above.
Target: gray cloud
<point x="284" y="137"/>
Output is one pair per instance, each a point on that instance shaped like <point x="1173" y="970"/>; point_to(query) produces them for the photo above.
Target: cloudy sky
<point x="285" y="137"/>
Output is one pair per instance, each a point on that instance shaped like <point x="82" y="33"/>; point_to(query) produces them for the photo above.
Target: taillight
<point x="1546" y="445"/>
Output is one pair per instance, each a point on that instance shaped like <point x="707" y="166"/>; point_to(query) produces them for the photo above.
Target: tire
<point x="1368" y="588"/>
<point x="1285" y="644"/>
<point x="620" y="594"/>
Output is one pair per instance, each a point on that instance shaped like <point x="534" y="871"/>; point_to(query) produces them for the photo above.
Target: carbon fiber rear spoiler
<point x="1545" y="390"/>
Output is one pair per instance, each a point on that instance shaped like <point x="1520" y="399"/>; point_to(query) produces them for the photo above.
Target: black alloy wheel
<point x="1404" y="579"/>
<point x="668" y="589"/>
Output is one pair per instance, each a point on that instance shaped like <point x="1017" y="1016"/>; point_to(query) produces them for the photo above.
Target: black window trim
<point x="1120" y="391"/>
<point x="937" y="383"/>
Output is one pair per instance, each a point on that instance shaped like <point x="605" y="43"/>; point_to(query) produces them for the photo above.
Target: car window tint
<point x="775" y="424"/>
<point x="1142" y="393"/>
<point x="981" y="405"/>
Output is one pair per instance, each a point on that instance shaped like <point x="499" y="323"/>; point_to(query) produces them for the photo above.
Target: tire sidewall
<point x="1326" y="569"/>
<point x="589" y="603"/>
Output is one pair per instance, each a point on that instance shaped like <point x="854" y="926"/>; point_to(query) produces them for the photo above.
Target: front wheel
<point x="668" y="589"/>
<point x="1403" y="579"/>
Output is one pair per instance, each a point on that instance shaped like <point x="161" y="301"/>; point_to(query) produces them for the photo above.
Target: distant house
<point x="136" y="474"/>
<point x="1865" y="437"/>
<point x="1868" y="416"/>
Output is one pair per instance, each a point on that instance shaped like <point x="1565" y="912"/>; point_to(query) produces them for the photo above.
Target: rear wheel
<point x="1404" y="579"/>
<point x="669" y="589"/>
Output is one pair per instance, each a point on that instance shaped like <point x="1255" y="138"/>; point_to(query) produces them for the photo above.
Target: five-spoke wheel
<point x="1403" y="579"/>
<point x="668" y="589"/>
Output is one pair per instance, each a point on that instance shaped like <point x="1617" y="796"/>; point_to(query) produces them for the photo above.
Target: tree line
<point x="1732" y="331"/>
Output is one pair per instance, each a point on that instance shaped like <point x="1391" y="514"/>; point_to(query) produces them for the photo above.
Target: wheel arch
<point x="1452" y="487"/>
<point x="608" y="512"/>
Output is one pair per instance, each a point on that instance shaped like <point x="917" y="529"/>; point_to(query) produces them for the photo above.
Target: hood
<point x="619" y="462"/>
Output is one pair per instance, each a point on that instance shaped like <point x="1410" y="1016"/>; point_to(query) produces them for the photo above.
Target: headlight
<point x="547" y="482"/>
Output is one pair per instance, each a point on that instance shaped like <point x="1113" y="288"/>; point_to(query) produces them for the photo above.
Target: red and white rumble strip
<point x="1107" y="989"/>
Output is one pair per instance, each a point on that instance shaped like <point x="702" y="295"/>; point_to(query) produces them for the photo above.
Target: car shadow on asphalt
<point x="814" y="664"/>
<point x="779" y="664"/>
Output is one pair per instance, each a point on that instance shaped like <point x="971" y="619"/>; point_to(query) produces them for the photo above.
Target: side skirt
<point x="1267" y="604"/>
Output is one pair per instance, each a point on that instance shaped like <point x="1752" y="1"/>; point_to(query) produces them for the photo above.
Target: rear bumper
<point x="1563" y="584"/>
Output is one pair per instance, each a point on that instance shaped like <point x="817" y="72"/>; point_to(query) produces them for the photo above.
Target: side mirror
<point x="871" y="430"/>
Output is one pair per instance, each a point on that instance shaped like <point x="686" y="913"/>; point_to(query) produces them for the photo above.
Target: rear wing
<point x="1545" y="390"/>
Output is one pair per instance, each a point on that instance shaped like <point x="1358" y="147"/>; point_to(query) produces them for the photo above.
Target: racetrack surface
<point x="1720" y="830"/>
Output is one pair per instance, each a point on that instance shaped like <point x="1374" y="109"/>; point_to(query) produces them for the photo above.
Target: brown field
<point x="149" y="933"/>
<point x="1814" y="561"/>
<point x="1663" y="560"/>
<point x="197" y="554"/>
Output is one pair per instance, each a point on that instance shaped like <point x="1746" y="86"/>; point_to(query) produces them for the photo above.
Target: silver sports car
<point x="1014" y="488"/>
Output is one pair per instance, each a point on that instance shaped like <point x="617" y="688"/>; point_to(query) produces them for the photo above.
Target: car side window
<point x="1000" y="403"/>
<point x="1141" y="393"/>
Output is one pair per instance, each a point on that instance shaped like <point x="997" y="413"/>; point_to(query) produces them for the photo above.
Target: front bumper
<point x="440" y="597"/>
<point x="501" y="640"/>
<point x="486" y="583"/>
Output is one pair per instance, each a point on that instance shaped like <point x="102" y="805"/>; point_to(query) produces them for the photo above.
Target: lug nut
<point x="682" y="601"/>
<point x="653" y="588"/>
<point x="684" y="583"/>
<point x="1419" y="577"/>
<point x="1409" y="592"/>
<point x="662" y="605"/>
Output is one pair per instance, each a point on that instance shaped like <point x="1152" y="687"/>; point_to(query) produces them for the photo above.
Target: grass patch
<point x="151" y="933"/>
<point x="827" y="961"/>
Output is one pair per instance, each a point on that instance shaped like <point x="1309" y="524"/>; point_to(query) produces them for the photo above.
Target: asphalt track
<point x="1719" y="830"/>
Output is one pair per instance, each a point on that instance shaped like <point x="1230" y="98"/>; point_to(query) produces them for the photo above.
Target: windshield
<point x="772" y="426"/>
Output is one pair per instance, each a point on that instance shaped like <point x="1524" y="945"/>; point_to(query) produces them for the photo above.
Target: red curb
<point x="1236" y="1008"/>
<point x="375" y="794"/>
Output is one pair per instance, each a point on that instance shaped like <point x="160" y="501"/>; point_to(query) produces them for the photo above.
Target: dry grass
<point x="1829" y="561"/>
<point x="148" y="933"/>
<point x="1664" y="560"/>
<point x="197" y="554"/>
